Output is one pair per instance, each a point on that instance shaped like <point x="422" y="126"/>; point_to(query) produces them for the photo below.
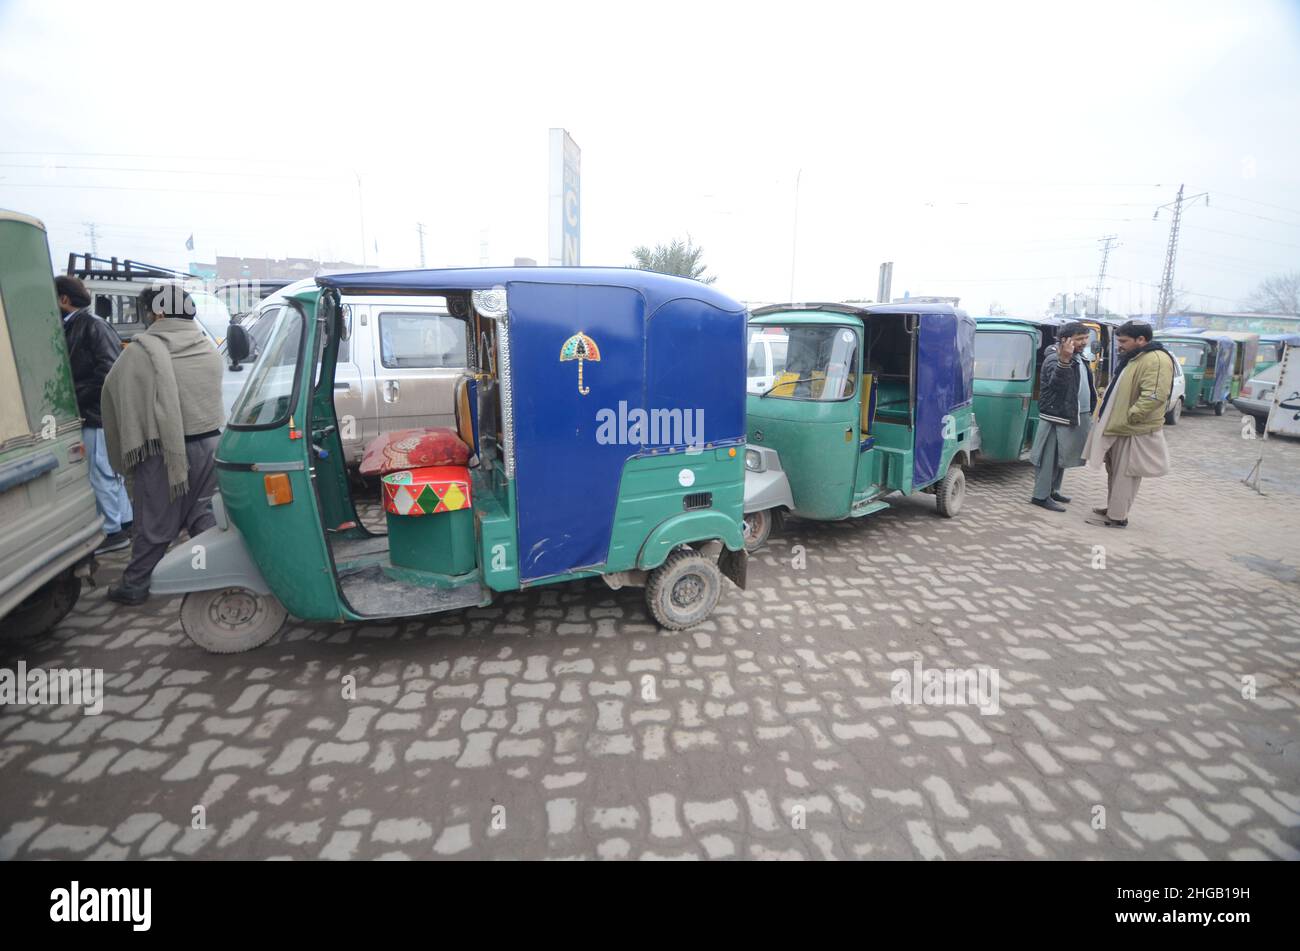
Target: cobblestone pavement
<point x="561" y="723"/>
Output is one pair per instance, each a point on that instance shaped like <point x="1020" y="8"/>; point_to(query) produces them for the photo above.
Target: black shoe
<point x="126" y="526"/>
<point x="1059" y="497"/>
<point x="128" y="594"/>
<point x="1106" y="521"/>
<point x="115" y="542"/>
<point x="1048" y="504"/>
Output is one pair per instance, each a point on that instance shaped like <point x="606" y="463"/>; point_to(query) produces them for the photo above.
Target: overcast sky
<point x="984" y="148"/>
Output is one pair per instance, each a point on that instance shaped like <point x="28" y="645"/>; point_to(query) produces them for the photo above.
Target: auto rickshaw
<point x="600" y="432"/>
<point x="49" y="525"/>
<point x="1008" y="354"/>
<point x="866" y="401"/>
<point x="1103" y="347"/>
<point x="1245" y="356"/>
<point x="1271" y="348"/>
<point x="1207" y="359"/>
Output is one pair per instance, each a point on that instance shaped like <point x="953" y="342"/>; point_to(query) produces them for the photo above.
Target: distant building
<point x="286" y="269"/>
<point x="1227" y="320"/>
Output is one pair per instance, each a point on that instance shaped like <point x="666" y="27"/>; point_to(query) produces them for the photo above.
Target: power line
<point x="1248" y="237"/>
<point x="1110" y="243"/>
<point x="162" y="171"/>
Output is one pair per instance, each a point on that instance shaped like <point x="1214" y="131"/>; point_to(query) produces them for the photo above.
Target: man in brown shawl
<point x="162" y="417"/>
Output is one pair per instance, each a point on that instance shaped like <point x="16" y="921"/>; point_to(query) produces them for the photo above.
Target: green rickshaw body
<point x="1008" y="354"/>
<point x="866" y="401"/>
<point x="1207" y="360"/>
<point x="1271" y="348"/>
<point x="49" y="521"/>
<point x="604" y="419"/>
<point x="1245" y="356"/>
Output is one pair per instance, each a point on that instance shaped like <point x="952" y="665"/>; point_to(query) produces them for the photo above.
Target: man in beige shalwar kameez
<point x="1129" y="438"/>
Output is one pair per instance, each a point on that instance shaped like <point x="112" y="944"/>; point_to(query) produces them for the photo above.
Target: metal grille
<point x="697" y="500"/>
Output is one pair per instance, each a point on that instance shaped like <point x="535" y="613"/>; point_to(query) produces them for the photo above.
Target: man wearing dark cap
<point x="93" y="348"/>
<point x="162" y="419"/>
<point x="1066" y="397"/>
<point x="1128" y="437"/>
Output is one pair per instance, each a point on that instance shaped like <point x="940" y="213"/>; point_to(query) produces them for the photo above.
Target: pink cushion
<point x="413" y="449"/>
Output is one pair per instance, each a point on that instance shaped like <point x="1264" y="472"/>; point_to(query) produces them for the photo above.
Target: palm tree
<point x="680" y="258"/>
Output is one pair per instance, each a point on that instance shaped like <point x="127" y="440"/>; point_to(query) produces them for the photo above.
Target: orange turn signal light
<point x="732" y="452"/>
<point x="278" y="489"/>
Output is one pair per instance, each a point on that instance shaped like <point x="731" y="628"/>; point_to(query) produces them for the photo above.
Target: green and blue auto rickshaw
<point x="603" y="417"/>
<point x="1271" y="348"/>
<point x="1207" y="360"/>
<point x="1008" y="354"/>
<point x="864" y="401"/>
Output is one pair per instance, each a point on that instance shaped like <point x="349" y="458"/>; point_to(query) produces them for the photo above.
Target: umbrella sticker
<point x="580" y="347"/>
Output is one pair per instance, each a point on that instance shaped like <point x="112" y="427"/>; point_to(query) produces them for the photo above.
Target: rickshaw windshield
<point x="1190" y="356"/>
<point x="267" y="397"/>
<point x="811" y="361"/>
<point x="1004" y="356"/>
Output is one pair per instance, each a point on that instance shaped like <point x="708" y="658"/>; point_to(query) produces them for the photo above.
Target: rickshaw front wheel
<point x="683" y="590"/>
<point x="1218" y="408"/>
<point x="757" y="528"/>
<point x="230" y="620"/>
<point x="951" y="492"/>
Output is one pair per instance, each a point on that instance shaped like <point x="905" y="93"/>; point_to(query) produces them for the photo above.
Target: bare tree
<point x="681" y="258"/>
<point x="1279" y="294"/>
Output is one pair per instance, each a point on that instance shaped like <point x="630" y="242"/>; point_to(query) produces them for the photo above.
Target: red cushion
<point x="413" y="449"/>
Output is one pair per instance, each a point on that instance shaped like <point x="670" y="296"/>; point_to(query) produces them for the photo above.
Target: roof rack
<point x="88" y="267"/>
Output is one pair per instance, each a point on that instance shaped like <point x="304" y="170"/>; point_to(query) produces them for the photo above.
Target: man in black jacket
<point x="93" y="348"/>
<point x="1066" y="398"/>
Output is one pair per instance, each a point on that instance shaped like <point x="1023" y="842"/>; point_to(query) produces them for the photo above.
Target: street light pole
<point x="361" y="209"/>
<point x="794" y="240"/>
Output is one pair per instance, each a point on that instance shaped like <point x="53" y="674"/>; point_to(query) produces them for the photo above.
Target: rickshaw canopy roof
<point x="657" y="289"/>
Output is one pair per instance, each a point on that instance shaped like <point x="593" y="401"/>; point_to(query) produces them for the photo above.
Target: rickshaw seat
<point x="868" y="419"/>
<point x="413" y="449"/>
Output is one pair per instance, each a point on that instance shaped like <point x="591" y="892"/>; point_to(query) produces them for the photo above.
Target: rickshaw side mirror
<point x="345" y="322"/>
<point x="238" y="346"/>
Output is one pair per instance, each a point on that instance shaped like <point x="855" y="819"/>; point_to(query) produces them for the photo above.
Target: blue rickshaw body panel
<point x="944" y="370"/>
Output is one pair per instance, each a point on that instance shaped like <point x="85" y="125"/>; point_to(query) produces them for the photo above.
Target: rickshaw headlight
<point x="753" y="461"/>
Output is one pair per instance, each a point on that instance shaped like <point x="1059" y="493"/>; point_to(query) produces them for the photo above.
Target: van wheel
<point x="951" y="492"/>
<point x="684" y="590"/>
<point x="44" y="607"/>
<point x="1175" y="414"/>
<point x="757" y="528"/>
<point x="230" y="620"/>
<point x="1218" y="408"/>
<point x="1261" y="425"/>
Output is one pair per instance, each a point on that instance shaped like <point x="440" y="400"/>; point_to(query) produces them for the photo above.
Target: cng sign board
<point x="1284" y="415"/>
<point x="566" y="200"/>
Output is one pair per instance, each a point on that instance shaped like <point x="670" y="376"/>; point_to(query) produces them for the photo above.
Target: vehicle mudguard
<point x="685" y="528"/>
<point x="767" y="490"/>
<point x="217" y="558"/>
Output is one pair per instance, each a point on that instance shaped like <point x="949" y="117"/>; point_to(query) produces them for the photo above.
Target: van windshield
<point x="1003" y="356"/>
<point x="212" y="314"/>
<point x="1190" y="356"/>
<point x="267" y="397"/>
<point x="803" y="362"/>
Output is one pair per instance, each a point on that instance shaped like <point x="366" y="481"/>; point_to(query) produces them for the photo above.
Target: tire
<point x="684" y="590"/>
<point x="1218" y="408"/>
<point x="1261" y="425"/>
<point x="230" y="620"/>
<point x="1175" y="414"/>
<point x="951" y="492"/>
<point x="758" y="528"/>
<point x="44" y="607"/>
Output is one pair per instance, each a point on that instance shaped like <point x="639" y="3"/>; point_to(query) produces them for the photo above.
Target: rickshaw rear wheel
<point x="1175" y="414"/>
<point x="1218" y="408"/>
<point x="684" y="590"/>
<point x="230" y="620"/>
<point x="951" y="492"/>
<point x="757" y="528"/>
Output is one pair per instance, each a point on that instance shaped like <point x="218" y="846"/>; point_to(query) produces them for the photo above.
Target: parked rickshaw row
<point x="817" y="411"/>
